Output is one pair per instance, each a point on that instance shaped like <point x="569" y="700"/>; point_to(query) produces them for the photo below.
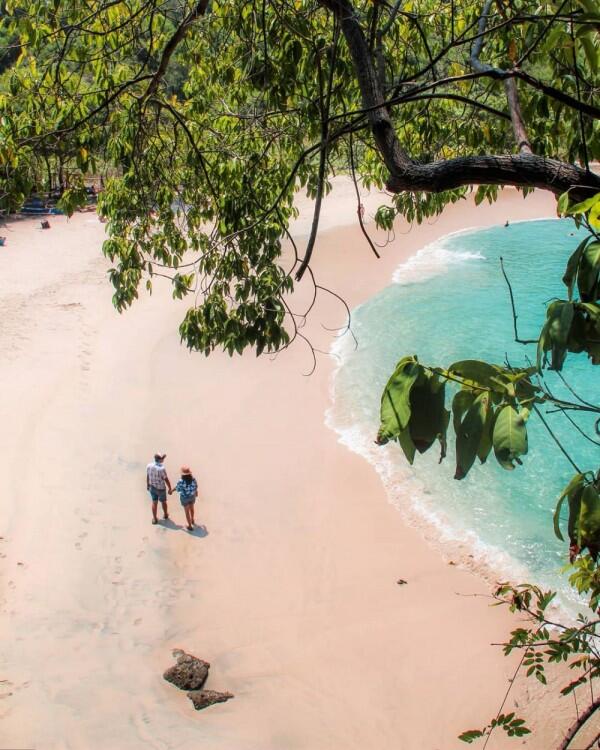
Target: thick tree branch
<point x="519" y="170"/>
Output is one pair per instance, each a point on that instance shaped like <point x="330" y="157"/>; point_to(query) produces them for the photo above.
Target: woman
<point x="188" y="492"/>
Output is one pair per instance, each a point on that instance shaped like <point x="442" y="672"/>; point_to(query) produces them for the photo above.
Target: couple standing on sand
<point x="157" y="484"/>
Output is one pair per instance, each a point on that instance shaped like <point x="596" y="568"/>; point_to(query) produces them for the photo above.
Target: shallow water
<point x="450" y="302"/>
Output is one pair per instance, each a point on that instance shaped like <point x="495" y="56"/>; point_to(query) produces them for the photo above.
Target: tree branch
<point x="522" y="170"/>
<point x="198" y="10"/>
<point x="514" y="310"/>
<point x="578" y="724"/>
<point x="510" y="86"/>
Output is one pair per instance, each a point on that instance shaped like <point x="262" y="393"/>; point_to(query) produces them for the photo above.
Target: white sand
<point x="289" y="590"/>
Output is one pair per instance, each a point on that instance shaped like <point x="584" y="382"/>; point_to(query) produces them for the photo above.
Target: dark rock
<point x="204" y="698"/>
<point x="189" y="673"/>
<point x="401" y="582"/>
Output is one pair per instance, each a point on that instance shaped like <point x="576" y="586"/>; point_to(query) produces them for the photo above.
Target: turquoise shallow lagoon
<point x="447" y="303"/>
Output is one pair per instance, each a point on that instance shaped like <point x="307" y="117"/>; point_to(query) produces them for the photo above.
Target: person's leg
<point x="162" y="496"/>
<point x="192" y="507"/>
<point x="154" y="498"/>
<point x="188" y="516"/>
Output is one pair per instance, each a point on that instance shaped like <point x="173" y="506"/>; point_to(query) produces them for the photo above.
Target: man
<point x="157" y="484"/>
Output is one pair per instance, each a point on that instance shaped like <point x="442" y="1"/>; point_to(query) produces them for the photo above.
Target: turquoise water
<point x="450" y="302"/>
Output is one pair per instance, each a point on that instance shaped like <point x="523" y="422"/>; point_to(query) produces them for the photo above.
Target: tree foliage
<point x="206" y="117"/>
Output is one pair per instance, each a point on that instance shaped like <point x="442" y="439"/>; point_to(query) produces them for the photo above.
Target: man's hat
<point x="160" y="456"/>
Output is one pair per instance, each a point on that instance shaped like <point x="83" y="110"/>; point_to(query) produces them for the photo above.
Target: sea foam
<point x="434" y="259"/>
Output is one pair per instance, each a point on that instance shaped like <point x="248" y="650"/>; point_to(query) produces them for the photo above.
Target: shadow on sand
<point x="167" y="523"/>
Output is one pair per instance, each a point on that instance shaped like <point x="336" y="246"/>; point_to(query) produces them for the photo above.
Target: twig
<point x="514" y="312"/>
<point x="359" y="206"/>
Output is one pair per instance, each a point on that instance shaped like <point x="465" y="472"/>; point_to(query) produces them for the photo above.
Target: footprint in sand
<point x="77" y="545"/>
<point x="82" y="535"/>
<point x="85" y="520"/>
<point x="138" y="621"/>
<point x="141" y="553"/>
<point x="6" y="685"/>
<point x="11" y="584"/>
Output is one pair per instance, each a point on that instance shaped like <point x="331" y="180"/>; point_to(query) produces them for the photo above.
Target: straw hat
<point x="186" y="470"/>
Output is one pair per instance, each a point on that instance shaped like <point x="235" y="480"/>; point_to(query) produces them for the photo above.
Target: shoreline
<point x="456" y="543"/>
<point x="289" y="591"/>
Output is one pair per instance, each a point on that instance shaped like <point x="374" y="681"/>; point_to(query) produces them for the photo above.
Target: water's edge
<point x="457" y="546"/>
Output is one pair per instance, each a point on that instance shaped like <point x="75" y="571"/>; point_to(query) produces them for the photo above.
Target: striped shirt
<point x="156" y="475"/>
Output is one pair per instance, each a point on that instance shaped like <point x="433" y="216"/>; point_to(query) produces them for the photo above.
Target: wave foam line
<point x="433" y="260"/>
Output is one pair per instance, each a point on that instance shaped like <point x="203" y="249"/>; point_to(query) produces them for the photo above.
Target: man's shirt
<point x="156" y="475"/>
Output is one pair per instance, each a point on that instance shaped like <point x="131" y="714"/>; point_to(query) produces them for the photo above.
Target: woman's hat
<point x="186" y="470"/>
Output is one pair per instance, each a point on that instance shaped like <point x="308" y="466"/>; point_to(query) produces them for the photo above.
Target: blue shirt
<point x="187" y="490"/>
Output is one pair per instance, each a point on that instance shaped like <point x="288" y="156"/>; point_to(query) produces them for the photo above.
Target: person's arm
<point x="147" y="480"/>
<point x="168" y="483"/>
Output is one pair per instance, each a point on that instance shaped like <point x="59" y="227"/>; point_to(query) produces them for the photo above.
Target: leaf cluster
<point x="489" y="411"/>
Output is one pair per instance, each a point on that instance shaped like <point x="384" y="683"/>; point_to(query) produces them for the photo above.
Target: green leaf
<point x="589" y="272"/>
<point x="469" y="432"/>
<point x="590" y="52"/>
<point x="563" y="204"/>
<point x="589" y="519"/>
<point x="509" y="437"/>
<point x="428" y="416"/>
<point x="407" y="445"/>
<point x="470" y="735"/>
<point x="480" y="374"/>
<point x="572" y="266"/>
<point x="395" y="401"/>
<point x="486" y="442"/>
<point x="584" y="206"/>
<point x="575" y="483"/>
<point x="554" y="336"/>
<point x="574" y="511"/>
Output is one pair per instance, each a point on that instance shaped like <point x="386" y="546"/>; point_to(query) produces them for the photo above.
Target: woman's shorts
<point x="157" y="494"/>
<point x="187" y="500"/>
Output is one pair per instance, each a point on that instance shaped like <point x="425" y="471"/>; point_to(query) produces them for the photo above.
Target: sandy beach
<point x="288" y="588"/>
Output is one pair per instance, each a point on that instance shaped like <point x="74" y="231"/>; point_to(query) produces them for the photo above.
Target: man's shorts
<point x="157" y="494"/>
